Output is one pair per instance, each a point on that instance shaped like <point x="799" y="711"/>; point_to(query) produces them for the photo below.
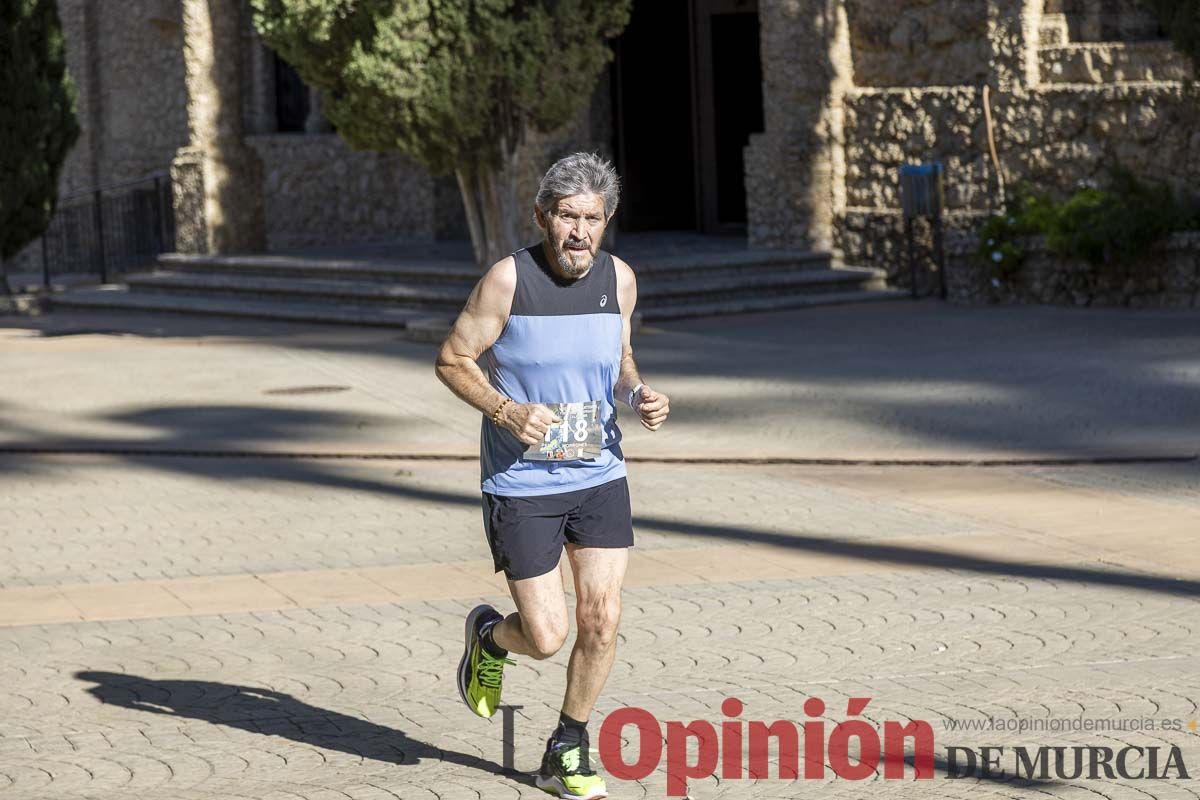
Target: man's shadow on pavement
<point x="271" y="713"/>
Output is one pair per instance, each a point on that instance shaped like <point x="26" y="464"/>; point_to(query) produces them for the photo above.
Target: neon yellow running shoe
<point x="480" y="674"/>
<point x="566" y="773"/>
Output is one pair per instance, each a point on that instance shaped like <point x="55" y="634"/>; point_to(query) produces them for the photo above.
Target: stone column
<point x="316" y="121"/>
<point x="1013" y="39"/>
<point x="795" y="169"/>
<point x="217" y="178"/>
<point x="260" y="100"/>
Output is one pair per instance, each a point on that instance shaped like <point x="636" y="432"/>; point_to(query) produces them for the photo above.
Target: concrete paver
<point x="893" y="380"/>
<point x="243" y="627"/>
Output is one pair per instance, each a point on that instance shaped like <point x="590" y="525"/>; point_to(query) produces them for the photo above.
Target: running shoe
<point x="480" y="674"/>
<point x="566" y="773"/>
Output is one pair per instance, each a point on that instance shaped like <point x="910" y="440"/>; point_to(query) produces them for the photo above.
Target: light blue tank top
<point x="562" y="344"/>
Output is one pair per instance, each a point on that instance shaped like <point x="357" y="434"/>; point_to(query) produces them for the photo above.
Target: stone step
<point x="439" y="296"/>
<point x="1113" y="62"/>
<point x="752" y="305"/>
<point x="656" y="290"/>
<point x="414" y="269"/>
<point x="422" y="290"/>
<point x="409" y="270"/>
<point x="115" y="298"/>
<point x="423" y="326"/>
<point x="1054" y="30"/>
<point x="736" y="262"/>
<point x="706" y="291"/>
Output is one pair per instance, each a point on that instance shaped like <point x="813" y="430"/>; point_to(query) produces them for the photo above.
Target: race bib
<point x="576" y="437"/>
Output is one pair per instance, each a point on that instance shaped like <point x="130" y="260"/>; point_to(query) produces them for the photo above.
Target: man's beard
<point x="567" y="265"/>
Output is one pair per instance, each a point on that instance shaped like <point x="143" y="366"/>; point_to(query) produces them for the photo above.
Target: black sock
<point x="570" y="731"/>
<point x="489" y="644"/>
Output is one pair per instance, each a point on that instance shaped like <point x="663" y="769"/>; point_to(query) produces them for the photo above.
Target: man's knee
<point x="546" y="637"/>
<point x="598" y="620"/>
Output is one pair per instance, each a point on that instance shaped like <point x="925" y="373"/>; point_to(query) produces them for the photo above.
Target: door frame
<point x="704" y="133"/>
<point x="704" y="137"/>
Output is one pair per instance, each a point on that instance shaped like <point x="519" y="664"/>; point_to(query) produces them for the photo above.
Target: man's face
<point x="574" y="229"/>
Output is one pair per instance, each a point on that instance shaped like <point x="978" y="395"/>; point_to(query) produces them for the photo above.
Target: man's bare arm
<point x="652" y="407"/>
<point x="476" y="329"/>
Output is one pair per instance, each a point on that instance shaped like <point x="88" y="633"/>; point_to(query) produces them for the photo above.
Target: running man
<point x="552" y="323"/>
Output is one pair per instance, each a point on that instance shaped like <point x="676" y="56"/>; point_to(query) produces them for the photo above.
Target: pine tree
<point x="37" y="121"/>
<point x="455" y="84"/>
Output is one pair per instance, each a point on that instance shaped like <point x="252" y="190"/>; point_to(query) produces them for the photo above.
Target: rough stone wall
<point x="1054" y="137"/>
<point x="1057" y="136"/>
<point x="79" y="170"/>
<point x="875" y="237"/>
<point x="1108" y="62"/>
<point x="887" y="129"/>
<point x="918" y="42"/>
<point x="794" y="170"/>
<point x="318" y="191"/>
<point x="127" y="64"/>
<point x="136" y="87"/>
<point x="1106" y="20"/>
<point x="1168" y="277"/>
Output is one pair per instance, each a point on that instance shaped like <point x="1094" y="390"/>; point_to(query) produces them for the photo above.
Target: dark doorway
<point x="652" y="109"/>
<point x="737" y="112"/>
<point x="291" y="98"/>
<point x="687" y="94"/>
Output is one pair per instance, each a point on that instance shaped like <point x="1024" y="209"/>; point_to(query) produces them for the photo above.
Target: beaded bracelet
<point x="499" y="408"/>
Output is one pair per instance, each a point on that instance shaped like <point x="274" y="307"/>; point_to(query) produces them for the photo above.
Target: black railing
<point x="110" y="229"/>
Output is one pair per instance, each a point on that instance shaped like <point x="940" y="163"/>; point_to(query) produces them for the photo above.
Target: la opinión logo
<point x="722" y="746"/>
<point x="738" y="749"/>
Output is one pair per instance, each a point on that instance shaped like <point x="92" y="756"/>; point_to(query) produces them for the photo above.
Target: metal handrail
<point x="114" y="230"/>
<point x="149" y="176"/>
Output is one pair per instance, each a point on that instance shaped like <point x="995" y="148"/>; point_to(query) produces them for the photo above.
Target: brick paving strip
<point x="273" y="591"/>
<point x="1015" y="522"/>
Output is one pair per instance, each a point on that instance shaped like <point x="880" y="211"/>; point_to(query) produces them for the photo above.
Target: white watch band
<point x="634" y="394"/>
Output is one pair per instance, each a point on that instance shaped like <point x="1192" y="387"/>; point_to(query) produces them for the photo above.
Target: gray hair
<point x="580" y="173"/>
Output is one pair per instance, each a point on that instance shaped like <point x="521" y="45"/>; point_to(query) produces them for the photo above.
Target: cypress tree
<point x="37" y="121"/>
<point x="455" y="84"/>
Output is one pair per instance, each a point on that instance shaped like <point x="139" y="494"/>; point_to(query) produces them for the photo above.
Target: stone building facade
<point x="1075" y="86"/>
<point x="850" y="90"/>
<point x="854" y="89"/>
<point x="156" y="81"/>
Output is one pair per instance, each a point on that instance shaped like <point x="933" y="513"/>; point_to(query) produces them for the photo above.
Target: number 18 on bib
<point x="576" y="437"/>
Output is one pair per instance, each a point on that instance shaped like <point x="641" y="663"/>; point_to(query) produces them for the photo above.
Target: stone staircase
<point x="1095" y="47"/>
<point x="423" y="292"/>
<point x="1113" y="62"/>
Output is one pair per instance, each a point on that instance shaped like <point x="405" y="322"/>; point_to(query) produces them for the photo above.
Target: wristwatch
<point x="633" y="394"/>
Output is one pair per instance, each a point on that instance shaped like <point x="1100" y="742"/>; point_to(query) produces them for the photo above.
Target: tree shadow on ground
<point x="826" y="544"/>
<point x="182" y="431"/>
<point x="830" y="545"/>
<point x="271" y="713"/>
<point x="1043" y="380"/>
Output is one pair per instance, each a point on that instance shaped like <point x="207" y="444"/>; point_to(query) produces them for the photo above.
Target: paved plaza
<point x="235" y="557"/>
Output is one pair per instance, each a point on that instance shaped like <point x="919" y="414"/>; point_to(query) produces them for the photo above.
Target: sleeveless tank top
<point x="561" y="344"/>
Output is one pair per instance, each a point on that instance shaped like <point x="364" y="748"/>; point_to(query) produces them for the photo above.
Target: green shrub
<point x="37" y="121"/>
<point x="1000" y="238"/>
<point x="1109" y="228"/>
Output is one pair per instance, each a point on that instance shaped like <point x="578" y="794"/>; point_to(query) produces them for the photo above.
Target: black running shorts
<point x="527" y="534"/>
